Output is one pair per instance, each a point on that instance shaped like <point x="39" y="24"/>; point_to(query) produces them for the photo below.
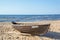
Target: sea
<point x="28" y="18"/>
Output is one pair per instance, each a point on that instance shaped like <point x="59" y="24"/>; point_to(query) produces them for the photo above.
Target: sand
<point x="7" y="32"/>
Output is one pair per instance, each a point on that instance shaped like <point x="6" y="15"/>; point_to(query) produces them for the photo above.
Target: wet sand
<point x="7" y="32"/>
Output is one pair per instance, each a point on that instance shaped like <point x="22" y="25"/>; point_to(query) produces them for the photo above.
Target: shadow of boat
<point x="53" y="35"/>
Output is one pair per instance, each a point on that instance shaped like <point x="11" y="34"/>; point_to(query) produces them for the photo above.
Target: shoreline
<point x="32" y="21"/>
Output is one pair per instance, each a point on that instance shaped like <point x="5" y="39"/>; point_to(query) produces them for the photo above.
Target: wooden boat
<point x="31" y="28"/>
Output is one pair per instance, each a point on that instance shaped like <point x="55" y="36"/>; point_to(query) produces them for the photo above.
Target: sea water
<point x="27" y="18"/>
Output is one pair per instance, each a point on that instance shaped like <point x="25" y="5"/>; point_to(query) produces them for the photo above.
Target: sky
<point x="29" y="7"/>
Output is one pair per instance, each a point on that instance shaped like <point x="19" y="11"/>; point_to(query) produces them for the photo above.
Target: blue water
<point x="27" y="18"/>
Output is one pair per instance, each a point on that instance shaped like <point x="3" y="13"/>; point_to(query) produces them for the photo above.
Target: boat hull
<point x="33" y="29"/>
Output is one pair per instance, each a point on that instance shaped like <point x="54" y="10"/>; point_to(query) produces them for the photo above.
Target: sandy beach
<point x="7" y="32"/>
